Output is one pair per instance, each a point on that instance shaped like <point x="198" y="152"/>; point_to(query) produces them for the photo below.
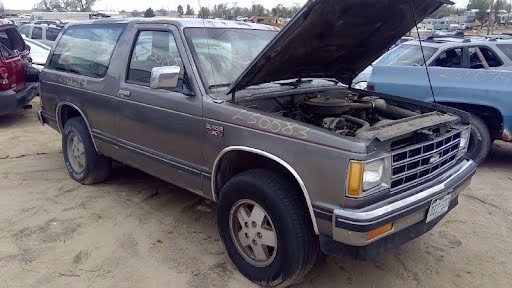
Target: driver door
<point x="159" y="129"/>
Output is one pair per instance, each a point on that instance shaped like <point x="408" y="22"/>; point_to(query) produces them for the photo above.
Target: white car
<point x="38" y="52"/>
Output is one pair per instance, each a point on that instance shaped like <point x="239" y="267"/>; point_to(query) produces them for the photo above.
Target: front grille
<point x="413" y="164"/>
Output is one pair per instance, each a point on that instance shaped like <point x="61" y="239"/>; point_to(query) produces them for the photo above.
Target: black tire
<point x="297" y="244"/>
<point x="480" y="140"/>
<point x="97" y="167"/>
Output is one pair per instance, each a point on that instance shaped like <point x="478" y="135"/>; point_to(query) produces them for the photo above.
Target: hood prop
<point x="422" y="52"/>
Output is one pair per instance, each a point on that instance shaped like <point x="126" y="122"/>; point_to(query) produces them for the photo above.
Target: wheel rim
<point x="253" y="233"/>
<point x="76" y="152"/>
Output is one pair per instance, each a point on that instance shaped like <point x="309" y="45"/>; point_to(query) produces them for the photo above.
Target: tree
<point x="162" y="12"/>
<point x="204" y="12"/>
<point x="220" y="11"/>
<point x="482" y="6"/>
<point x="149" y="13"/>
<point x="189" y="11"/>
<point x="446" y="10"/>
<point x="85" y="5"/>
<point x="259" y="10"/>
<point x="180" y="10"/>
<point x="70" y="5"/>
<point x="48" y="5"/>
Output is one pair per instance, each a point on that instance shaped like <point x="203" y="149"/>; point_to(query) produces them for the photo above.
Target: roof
<point x="184" y="23"/>
<point x="438" y="42"/>
<point x="44" y="25"/>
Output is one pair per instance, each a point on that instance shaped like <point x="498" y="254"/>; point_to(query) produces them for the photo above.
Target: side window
<point x="37" y="33"/>
<point x="451" y="58"/>
<point x="506" y="49"/>
<point x="52" y="33"/>
<point x="152" y="49"/>
<point x="25" y="30"/>
<point x="477" y="53"/>
<point x="86" y="49"/>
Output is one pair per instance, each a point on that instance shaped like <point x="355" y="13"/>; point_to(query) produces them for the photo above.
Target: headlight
<point x="363" y="177"/>
<point x="464" y="139"/>
<point x="361" y="85"/>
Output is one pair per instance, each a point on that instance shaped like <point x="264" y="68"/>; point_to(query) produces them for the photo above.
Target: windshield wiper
<point x="219" y="85"/>
<point x="295" y="83"/>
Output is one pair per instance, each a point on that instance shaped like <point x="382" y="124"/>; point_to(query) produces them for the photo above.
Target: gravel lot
<point x="137" y="231"/>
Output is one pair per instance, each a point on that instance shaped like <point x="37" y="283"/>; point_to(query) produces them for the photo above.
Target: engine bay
<point x="346" y="115"/>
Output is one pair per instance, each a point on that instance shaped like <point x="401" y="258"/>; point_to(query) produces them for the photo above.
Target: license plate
<point x="438" y="207"/>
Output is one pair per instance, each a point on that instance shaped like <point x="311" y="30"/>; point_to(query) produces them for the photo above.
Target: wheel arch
<point x="67" y="110"/>
<point x="492" y="116"/>
<point x="269" y="157"/>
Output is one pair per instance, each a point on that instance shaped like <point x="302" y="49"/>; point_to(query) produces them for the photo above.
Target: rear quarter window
<point x="506" y="49"/>
<point x="86" y="49"/>
<point x="52" y="33"/>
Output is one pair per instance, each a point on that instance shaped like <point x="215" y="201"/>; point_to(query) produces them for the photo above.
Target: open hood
<point x="335" y="39"/>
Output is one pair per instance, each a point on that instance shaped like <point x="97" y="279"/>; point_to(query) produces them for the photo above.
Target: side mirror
<point x="164" y="77"/>
<point x="28" y="47"/>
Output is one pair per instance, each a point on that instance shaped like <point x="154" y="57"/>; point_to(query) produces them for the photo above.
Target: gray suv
<point x="43" y="33"/>
<point x="258" y="121"/>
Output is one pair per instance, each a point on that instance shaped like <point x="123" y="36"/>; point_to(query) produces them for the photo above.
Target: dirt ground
<point x="137" y="231"/>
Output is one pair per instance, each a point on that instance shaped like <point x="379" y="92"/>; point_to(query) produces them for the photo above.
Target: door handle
<point x="123" y="93"/>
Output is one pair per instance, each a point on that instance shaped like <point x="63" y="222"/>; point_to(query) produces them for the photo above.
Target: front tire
<point x="83" y="163"/>
<point x="479" y="141"/>
<point x="266" y="228"/>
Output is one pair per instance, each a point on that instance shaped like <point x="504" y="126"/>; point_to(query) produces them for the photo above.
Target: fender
<point x="272" y="157"/>
<point x="59" y="120"/>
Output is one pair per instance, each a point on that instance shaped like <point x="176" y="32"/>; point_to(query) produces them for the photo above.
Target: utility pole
<point x="490" y="23"/>
<point x="508" y="17"/>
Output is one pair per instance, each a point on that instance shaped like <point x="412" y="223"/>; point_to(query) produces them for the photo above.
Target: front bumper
<point x="408" y="215"/>
<point x="10" y="101"/>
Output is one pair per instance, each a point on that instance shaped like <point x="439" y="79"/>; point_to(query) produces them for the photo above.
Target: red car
<point x="15" y="91"/>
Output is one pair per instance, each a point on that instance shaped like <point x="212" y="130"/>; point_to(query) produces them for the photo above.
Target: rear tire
<point x="480" y="140"/>
<point x="296" y="245"/>
<point x="83" y="162"/>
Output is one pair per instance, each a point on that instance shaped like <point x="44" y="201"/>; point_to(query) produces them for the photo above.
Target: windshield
<point x="223" y="54"/>
<point x="406" y="55"/>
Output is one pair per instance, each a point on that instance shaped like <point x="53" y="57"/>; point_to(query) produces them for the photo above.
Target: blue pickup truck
<point x="468" y="74"/>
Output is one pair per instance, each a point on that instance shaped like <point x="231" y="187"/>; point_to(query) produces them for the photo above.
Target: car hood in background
<point x="334" y="39"/>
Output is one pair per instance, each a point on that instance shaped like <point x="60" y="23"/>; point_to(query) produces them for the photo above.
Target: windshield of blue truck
<point x="222" y="54"/>
<point x="406" y="55"/>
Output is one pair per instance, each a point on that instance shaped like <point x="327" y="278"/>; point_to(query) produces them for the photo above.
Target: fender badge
<point x="214" y="130"/>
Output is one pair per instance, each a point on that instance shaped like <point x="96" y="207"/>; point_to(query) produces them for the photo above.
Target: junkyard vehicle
<point x="256" y="122"/>
<point x="38" y="53"/>
<point x="43" y="33"/>
<point x="15" y="91"/>
<point x="472" y="74"/>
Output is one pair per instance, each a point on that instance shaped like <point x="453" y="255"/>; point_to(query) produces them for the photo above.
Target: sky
<point x="130" y="5"/>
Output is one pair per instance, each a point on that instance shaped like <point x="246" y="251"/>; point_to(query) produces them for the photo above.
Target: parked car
<point x="43" y="33"/>
<point x="18" y="22"/>
<point x="38" y="53"/>
<point x="251" y="117"/>
<point x="401" y="41"/>
<point x="53" y="22"/>
<point x="15" y="91"/>
<point x="458" y="69"/>
<point x="361" y="80"/>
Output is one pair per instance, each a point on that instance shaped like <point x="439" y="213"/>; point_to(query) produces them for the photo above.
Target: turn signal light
<point x="355" y="174"/>
<point x="379" y="231"/>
